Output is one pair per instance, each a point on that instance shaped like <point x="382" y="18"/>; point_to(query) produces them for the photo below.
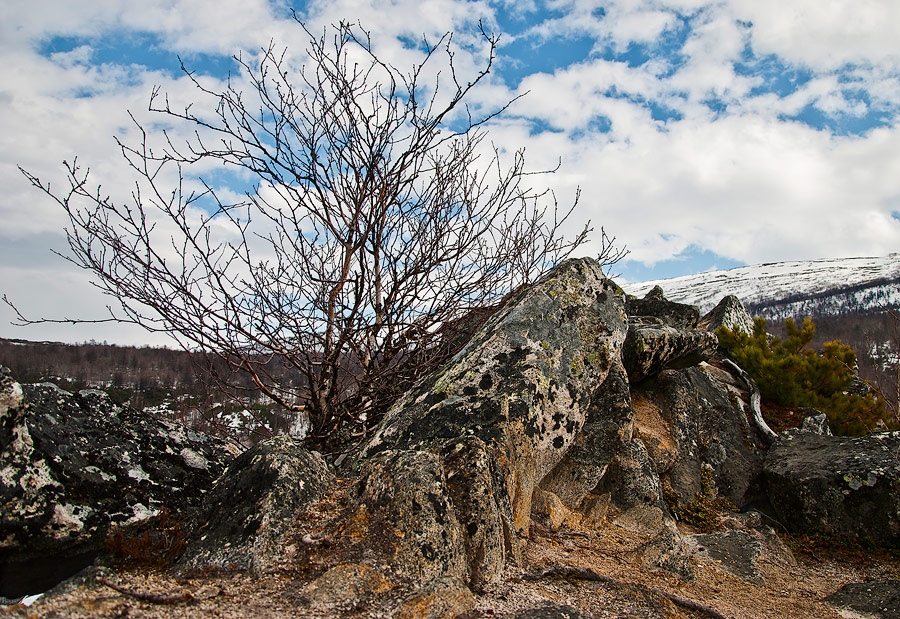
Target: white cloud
<point x="742" y="180"/>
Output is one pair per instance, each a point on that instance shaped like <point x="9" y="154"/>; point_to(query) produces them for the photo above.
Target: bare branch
<point x="380" y="229"/>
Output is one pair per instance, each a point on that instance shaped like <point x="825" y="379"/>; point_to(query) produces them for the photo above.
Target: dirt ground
<point x="630" y="589"/>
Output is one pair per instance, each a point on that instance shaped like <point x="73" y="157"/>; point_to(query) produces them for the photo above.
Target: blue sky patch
<point x="692" y="260"/>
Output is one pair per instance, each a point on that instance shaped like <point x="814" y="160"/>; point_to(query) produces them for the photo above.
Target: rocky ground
<point x="570" y="572"/>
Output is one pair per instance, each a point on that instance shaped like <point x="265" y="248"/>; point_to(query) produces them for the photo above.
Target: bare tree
<point x="379" y="218"/>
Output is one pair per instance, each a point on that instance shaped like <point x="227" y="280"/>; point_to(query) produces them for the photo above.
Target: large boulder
<point x="693" y="418"/>
<point x="491" y="424"/>
<point x="837" y="485"/>
<point x="247" y="513"/>
<point x="523" y="383"/>
<point x="75" y="466"/>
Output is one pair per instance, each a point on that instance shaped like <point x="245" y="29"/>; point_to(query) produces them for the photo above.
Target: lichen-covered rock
<point x="73" y="466"/>
<point x="635" y="491"/>
<point x="730" y="313"/>
<point x="403" y="516"/>
<point x="607" y="429"/>
<point x="652" y="347"/>
<point x="10" y="397"/>
<point x="431" y="513"/>
<point x="247" y="512"/>
<point x="738" y="552"/>
<point x="830" y="484"/>
<point x="672" y="314"/>
<point x="476" y="491"/>
<point x="668" y="552"/>
<point x="689" y="419"/>
<point x="876" y="599"/>
<point x="523" y="383"/>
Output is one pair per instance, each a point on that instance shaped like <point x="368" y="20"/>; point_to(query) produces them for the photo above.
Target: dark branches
<point x="379" y="217"/>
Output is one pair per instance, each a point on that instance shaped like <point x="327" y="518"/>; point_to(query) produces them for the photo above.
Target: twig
<point x="153" y="598"/>
<point x="583" y="573"/>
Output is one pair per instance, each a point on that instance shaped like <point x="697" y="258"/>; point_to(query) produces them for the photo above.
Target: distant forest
<point x="168" y="382"/>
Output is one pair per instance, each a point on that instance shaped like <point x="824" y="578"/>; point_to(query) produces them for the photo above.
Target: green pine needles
<point x="789" y="373"/>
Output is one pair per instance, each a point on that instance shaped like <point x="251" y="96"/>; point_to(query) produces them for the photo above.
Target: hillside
<point x="847" y="298"/>
<point x="782" y="289"/>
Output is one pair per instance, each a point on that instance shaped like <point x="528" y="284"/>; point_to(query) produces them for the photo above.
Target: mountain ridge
<point x="777" y="290"/>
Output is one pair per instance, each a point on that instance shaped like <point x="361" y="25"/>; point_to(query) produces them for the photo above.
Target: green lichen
<point x="567" y="293"/>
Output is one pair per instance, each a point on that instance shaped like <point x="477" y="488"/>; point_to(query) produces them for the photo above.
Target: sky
<point x="702" y="135"/>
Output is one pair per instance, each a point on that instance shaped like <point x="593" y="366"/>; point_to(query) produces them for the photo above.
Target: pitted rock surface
<point x="74" y="465"/>
<point x="245" y="516"/>
<point x="404" y="517"/>
<point x="523" y="383"/>
<point x="607" y="430"/>
<point x="431" y="513"/>
<point x="830" y="484"/>
<point x="635" y="491"/>
<point x="672" y="314"/>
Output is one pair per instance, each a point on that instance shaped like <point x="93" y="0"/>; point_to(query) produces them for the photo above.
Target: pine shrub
<point x="789" y="373"/>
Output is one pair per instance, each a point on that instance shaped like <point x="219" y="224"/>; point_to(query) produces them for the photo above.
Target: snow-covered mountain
<point x="782" y="289"/>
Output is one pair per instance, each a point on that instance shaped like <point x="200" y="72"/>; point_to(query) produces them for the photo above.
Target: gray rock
<point x="668" y="552"/>
<point x="523" y="383"/>
<point x="829" y="484"/>
<point x="404" y="517"/>
<point x="75" y="466"/>
<point x="477" y="493"/>
<point x="651" y="348"/>
<point x="689" y="419"/>
<point x="10" y="395"/>
<point x="816" y="423"/>
<point x="738" y="551"/>
<point x="246" y="514"/>
<point x="877" y="599"/>
<point x="654" y="303"/>
<point x="730" y="313"/>
<point x="636" y="493"/>
<point x="607" y="429"/>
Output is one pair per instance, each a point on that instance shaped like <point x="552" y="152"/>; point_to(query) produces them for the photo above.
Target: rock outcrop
<point x="689" y="419"/>
<point x="672" y="314"/>
<point x="505" y="410"/>
<point x="246" y="514"/>
<point x="75" y="466"/>
<point x="730" y="313"/>
<point x="837" y="485"/>
<point x="571" y="406"/>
